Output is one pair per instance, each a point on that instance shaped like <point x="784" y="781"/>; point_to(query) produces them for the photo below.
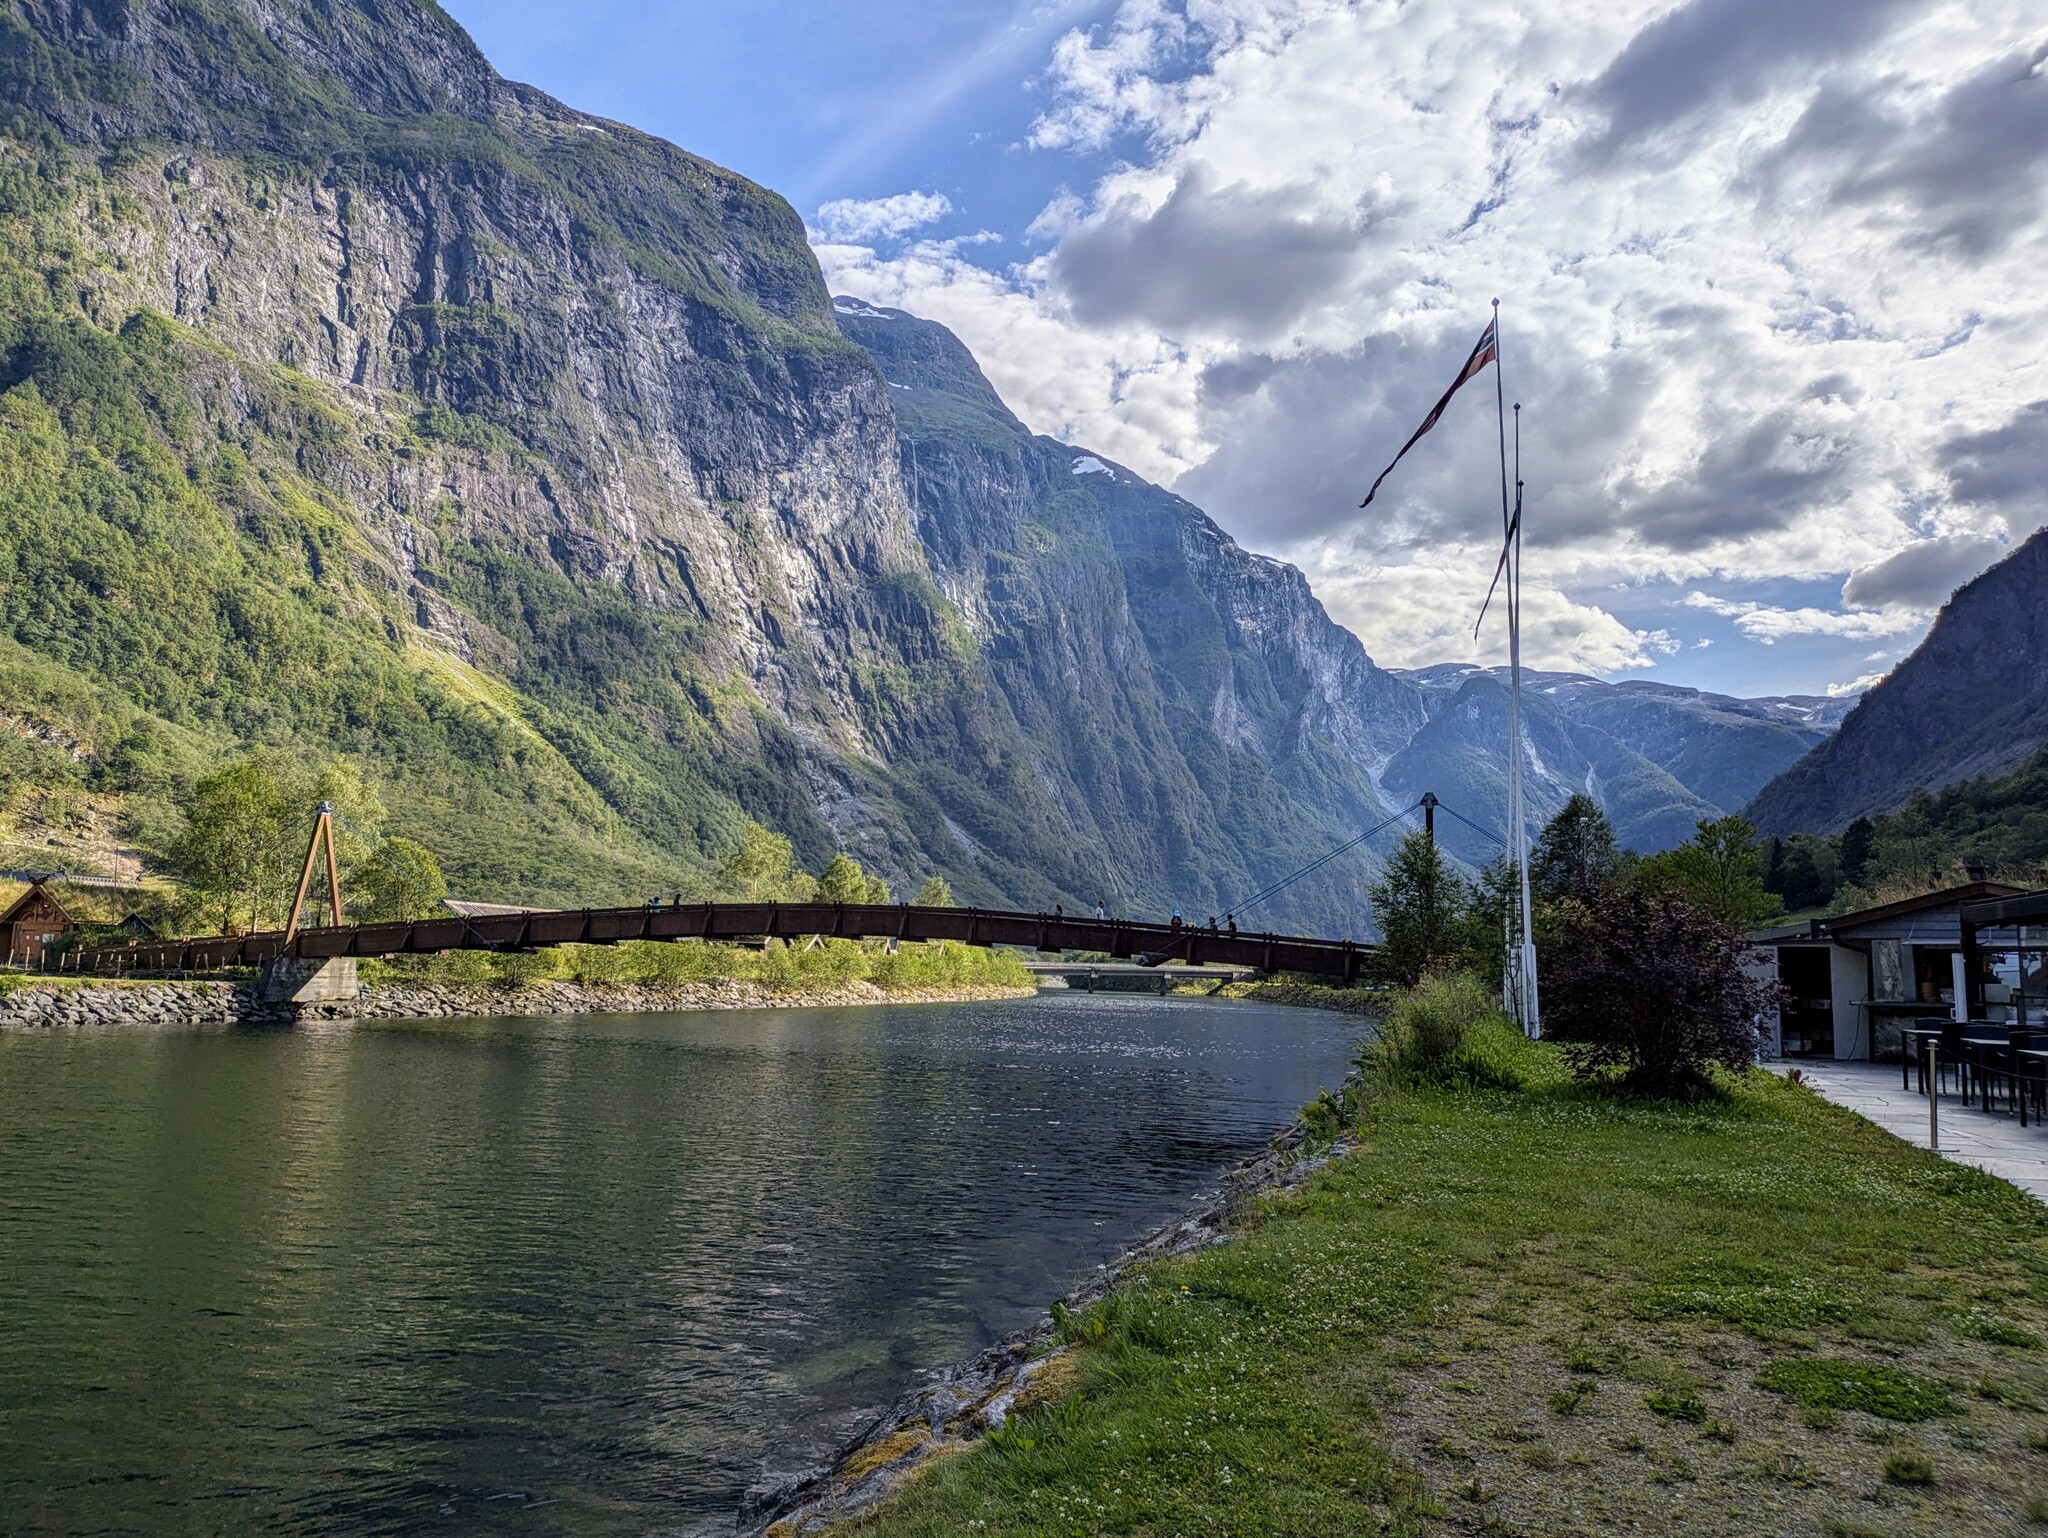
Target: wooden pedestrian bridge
<point x="1149" y="945"/>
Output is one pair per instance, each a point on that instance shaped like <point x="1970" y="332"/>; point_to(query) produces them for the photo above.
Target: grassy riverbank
<point x="1300" y="992"/>
<point x="1532" y="1309"/>
<point x="827" y="964"/>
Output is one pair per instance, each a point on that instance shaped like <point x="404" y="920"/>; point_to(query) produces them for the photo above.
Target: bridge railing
<point x="1119" y="938"/>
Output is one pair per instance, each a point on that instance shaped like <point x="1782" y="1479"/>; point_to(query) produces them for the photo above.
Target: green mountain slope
<point x="359" y="401"/>
<point x="365" y="402"/>
<point x="1970" y="702"/>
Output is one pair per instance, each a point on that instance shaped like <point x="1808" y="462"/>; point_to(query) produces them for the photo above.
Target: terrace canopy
<point x="2005" y="959"/>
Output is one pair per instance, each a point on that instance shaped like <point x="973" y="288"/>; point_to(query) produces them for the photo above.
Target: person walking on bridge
<point x="1100" y="911"/>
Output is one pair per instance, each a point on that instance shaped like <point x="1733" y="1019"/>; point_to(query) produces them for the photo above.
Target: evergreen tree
<point x="1493" y="898"/>
<point x="1576" y="856"/>
<point x="1859" y="842"/>
<point x="1423" y="908"/>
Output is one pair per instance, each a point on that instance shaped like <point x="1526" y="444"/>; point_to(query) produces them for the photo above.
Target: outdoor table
<point x="2038" y="1056"/>
<point x="1984" y="1055"/>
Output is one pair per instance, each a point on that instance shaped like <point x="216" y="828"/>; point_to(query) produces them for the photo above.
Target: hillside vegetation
<point x="1999" y="823"/>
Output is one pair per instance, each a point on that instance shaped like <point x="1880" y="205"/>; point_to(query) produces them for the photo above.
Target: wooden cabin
<point x="31" y="925"/>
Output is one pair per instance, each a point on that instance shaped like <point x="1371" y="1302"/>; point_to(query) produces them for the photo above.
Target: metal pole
<point x="1933" y="1102"/>
<point x="1512" y="972"/>
<point x="1531" y="1012"/>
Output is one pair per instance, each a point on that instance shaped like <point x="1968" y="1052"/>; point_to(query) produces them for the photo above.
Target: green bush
<point x="1445" y="1030"/>
<point x="946" y="964"/>
<point x="522" y="969"/>
<point x="588" y="964"/>
<point x="457" y="967"/>
<point x="666" y="963"/>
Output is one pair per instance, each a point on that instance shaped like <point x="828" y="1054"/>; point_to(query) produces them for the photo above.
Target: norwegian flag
<point x="1488" y="351"/>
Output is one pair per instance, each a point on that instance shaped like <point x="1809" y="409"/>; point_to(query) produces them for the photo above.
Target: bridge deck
<point x="1339" y="959"/>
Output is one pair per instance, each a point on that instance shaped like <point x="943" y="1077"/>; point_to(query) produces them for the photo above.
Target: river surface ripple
<point x="577" y="1275"/>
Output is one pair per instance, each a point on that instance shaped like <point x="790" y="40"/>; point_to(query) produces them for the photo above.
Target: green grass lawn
<point x="1545" y="1312"/>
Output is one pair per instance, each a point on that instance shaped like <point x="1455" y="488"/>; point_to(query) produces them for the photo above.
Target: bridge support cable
<point x="1483" y="832"/>
<point x="1320" y="861"/>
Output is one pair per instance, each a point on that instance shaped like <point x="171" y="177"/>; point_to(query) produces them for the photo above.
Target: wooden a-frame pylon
<point x="323" y="834"/>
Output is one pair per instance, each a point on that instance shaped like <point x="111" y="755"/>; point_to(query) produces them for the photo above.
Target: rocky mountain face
<point x="1970" y="702"/>
<point x="1658" y="758"/>
<point x="1060" y="558"/>
<point x="1180" y="693"/>
<point x="362" y="400"/>
<point x="530" y="436"/>
<point x="355" y="399"/>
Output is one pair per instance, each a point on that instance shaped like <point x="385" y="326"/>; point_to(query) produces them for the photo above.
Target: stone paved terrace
<point x="1995" y="1143"/>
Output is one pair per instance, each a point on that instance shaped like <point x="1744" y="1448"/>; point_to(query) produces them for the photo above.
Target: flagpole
<point x="1514" y="956"/>
<point x="1517" y="956"/>
<point x="1519" y="961"/>
<point x="1531" y="1011"/>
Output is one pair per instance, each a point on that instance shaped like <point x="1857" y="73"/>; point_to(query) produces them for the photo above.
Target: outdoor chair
<point x="1988" y="1060"/>
<point x="2029" y="1073"/>
<point x="1915" y="1037"/>
<point x="1952" y="1062"/>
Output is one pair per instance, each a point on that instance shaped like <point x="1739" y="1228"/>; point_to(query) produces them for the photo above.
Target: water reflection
<point x="562" y="1276"/>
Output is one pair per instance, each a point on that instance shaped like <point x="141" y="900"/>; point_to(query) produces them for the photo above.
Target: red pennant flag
<point x="1488" y="351"/>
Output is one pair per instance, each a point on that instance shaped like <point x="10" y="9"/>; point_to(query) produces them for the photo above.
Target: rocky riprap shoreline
<point x="957" y="1406"/>
<point x="66" y="1006"/>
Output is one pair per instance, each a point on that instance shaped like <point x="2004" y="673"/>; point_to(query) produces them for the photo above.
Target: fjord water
<point x="572" y="1275"/>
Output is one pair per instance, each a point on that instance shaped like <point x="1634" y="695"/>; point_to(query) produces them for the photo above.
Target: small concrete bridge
<point x="1151" y="945"/>
<point x="1136" y="976"/>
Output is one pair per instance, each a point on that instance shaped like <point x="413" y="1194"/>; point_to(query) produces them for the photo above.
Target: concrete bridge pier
<point x="308" y="980"/>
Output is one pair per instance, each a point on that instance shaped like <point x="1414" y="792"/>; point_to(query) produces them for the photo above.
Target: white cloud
<point x="1765" y="623"/>
<point x="1855" y="685"/>
<point x="870" y="219"/>
<point x="1759" y="330"/>
<point x="1421" y="610"/>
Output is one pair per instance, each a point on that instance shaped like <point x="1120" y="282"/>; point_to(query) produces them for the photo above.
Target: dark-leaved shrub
<point x="1645" y="988"/>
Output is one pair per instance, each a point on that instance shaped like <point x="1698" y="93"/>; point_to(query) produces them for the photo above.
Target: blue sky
<point x="1770" y="276"/>
<point x="818" y="101"/>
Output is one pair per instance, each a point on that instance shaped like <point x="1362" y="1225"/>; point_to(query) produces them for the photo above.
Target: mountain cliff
<point x="363" y="400"/>
<point x="1167" y="679"/>
<point x="1060" y="558"/>
<point x="1970" y="702"/>
<point x="357" y="400"/>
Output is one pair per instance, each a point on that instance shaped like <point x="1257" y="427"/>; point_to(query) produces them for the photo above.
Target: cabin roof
<point x="1948" y="897"/>
<point x="37" y="891"/>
